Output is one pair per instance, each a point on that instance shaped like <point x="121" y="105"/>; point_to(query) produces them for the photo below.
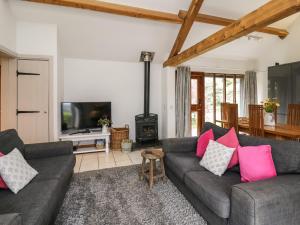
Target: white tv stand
<point x="92" y="136"/>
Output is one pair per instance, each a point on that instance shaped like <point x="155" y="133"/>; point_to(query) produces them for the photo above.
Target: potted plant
<point x="105" y="123"/>
<point x="126" y="145"/>
<point x="270" y="105"/>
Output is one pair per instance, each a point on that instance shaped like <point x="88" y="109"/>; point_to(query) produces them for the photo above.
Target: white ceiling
<point x="95" y="35"/>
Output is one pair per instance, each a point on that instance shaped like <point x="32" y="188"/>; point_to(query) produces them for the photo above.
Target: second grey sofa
<point x="39" y="202"/>
<point x="225" y="200"/>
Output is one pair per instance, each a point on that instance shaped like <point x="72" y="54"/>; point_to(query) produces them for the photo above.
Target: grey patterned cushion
<point x="216" y="158"/>
<point x="15" y="171"/>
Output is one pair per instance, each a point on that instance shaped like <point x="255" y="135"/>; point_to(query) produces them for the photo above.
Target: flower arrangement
<point x="104" y="122"/>
<point x="270" y="105"/>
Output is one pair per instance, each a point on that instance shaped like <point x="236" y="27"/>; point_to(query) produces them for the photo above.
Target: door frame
<point x="201" y="99"/>
<point x="52" y="94"/>
<point x="8" y="93"/>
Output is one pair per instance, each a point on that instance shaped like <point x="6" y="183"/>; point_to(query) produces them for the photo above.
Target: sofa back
<point x="9" y="139"/>
<point x="286" y="154"/>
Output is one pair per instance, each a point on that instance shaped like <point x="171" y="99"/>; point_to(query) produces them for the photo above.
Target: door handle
<point x="27" y="74"/>
<point x="21" y="112"/>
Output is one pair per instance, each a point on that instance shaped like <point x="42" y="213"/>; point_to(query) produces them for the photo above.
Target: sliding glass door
<point x="208" y="91"/>
<point x="220" y="88"/>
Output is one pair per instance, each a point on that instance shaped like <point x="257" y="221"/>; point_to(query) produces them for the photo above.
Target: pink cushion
<point x="2" y="183"/>
<point x="203" y="142"/>
<point x="256" y="163"/>
<point x="230" y="140"/>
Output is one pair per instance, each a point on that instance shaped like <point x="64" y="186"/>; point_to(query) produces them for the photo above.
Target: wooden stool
<point x="151" y="173"/>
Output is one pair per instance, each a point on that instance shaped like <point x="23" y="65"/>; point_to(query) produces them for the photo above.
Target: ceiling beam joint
<point x="186" y="26"/>
<point x="216" y="20"/>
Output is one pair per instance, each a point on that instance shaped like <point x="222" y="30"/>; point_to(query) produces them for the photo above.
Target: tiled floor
<point x="101" y="160"/>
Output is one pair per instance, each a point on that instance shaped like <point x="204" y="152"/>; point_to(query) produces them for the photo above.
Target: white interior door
<point x="33" y="101"/>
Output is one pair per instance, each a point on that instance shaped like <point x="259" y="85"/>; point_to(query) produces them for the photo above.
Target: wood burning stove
<point x="146" y="124"/>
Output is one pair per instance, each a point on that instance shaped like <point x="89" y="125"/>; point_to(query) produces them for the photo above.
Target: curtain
<point x="248" y="92"/>
<point x="183" y="102"/>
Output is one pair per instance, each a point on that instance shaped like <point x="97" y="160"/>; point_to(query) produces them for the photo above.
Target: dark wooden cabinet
<point x="284" y="84"/>
<point x="296" y="83"/>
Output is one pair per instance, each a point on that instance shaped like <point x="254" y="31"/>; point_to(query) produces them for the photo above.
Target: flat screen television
<point x="79" y="116"/>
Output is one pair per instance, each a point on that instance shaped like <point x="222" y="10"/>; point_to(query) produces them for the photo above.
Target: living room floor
<point x="101" y="160"/>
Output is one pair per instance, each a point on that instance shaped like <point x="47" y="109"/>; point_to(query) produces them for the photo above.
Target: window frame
<point x="199" y="107"/>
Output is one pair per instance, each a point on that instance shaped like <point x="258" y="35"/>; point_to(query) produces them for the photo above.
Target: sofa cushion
<point x="9" y="140"/>
<point x="286" y="154"/>
<point x="218" y="131"/>
<point x="180" y="163"/>
<point x="212" y="190"/>
<point x="53" y="167"/>
<point x="203" y="142"/>
<point x="2" y="183"/>
<point x="230" y="140"/>
<point x="256" y="163"/>
<point x="36" y="202"/>
<point x="15" y="171"/>
<point x="216" y="158"/>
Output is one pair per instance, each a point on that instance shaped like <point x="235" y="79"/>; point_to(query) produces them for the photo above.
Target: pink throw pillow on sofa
<point x="230" y="140"/>
<point x="2" y="183"/>
<point x="256" y="163"/>
<point x="203" y="142"/>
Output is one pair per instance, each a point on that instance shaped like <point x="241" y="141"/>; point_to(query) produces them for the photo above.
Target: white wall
<point x="121" y="83"/>
<point x="7" y="26"/>
<point x="168" y="103"/>
<point x="262" y="85"/>
<point x="42" y="40"/>
<point x="221" y="65"/>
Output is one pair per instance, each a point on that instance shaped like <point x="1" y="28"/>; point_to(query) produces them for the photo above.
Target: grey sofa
<point x="225" y="200"/>
<point x="39" y="202"/>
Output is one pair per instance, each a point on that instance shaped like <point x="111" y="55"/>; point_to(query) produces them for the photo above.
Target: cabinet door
<point x="279" y="87"/>
<point x="296" y="83"/>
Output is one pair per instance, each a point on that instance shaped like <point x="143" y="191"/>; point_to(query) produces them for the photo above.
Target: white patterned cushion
<point x="217" y="157"/>
<point x="15" y="171"/>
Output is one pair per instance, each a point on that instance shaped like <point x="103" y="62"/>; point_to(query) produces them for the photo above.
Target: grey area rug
<point x="116" y="196"/>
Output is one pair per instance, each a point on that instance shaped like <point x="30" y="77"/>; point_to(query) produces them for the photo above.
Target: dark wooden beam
<point x="186" y="26"/>
<point x="216" y="20"/>
<point x="269" y="13"/>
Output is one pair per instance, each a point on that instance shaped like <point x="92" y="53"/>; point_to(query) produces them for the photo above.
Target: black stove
<point x="146" y="124"/>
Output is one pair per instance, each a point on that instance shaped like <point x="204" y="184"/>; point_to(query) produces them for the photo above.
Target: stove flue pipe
<point x="146" y="57"/>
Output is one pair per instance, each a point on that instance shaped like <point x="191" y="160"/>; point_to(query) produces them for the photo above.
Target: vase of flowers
<point x="270" y="106"/>
<point x="105" y="123"/>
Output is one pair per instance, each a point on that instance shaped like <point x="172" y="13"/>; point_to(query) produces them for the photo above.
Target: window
<point x="220" y="88"/>
<point x="194" y="101"/>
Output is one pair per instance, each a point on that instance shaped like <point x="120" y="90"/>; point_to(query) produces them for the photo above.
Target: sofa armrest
<point x="275" y="201"/>
<point x="188" y="144"/>
<point x="52" y="149"/>
<point x="10" y="219"/>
